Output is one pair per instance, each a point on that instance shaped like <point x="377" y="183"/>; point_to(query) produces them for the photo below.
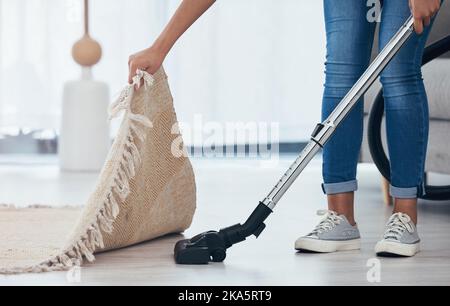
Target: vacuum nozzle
<point x="201" y="249"/>
<point x="212" y="245"/>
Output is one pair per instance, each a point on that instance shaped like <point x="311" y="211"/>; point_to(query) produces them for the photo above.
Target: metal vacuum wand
<point x="212" y="245"/>
<point x="325" y="130"/>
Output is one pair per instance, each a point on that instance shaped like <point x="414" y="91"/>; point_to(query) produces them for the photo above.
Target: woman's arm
<point x="423" y="11"/>
<point x="151" y="59"/>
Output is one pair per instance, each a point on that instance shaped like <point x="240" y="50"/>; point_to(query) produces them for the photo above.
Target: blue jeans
<point x="349" y="43"/>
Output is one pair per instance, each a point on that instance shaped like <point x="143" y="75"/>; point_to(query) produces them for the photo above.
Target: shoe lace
<point x="330" y="220"/>
<point x="397" y="225"/>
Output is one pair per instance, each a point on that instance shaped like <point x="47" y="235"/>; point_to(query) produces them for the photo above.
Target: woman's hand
<point x="423" y="11"/>
<point x="149" y="60"/>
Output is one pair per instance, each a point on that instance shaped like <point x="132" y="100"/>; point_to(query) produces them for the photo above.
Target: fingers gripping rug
<point x="146" y="189"/>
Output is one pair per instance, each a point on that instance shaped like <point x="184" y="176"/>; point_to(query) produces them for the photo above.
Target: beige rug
<point x="145" y="190"/>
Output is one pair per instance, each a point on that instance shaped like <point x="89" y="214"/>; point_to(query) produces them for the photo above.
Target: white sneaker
<point x="400" y="238"/>
<point x="334" y="233"/>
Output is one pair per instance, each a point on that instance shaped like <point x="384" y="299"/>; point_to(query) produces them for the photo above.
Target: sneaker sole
<point x="327" y="246"/>
<point x="388" y="248"/>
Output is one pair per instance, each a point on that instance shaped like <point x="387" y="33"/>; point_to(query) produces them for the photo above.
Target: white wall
<point x="253" y="60"/>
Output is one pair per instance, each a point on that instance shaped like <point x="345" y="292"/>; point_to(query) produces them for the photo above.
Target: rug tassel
<point x="130" y="164"/>
<point x="65" y="260"/>
<point x="86" y="252"/>
<point x="135" y="155"/>
<point x="114" y="206"/>
<point x="138" y="131"/>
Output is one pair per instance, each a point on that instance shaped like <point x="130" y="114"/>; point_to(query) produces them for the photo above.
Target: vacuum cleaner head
<point x="201" y="249"/>
<point x="212" y="245"/>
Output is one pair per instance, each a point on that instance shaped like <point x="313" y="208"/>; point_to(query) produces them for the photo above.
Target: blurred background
<point x="244" y="61"/>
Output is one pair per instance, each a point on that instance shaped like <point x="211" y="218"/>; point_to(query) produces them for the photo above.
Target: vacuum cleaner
<point x="211" y="246"/>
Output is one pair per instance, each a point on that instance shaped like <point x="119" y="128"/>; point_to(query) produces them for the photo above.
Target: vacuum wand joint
<point x="253" y="226"/>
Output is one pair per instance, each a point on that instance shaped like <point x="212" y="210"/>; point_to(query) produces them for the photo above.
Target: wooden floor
<point x="227" y="192"/>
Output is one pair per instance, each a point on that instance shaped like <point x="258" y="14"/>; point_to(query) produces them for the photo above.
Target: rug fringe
<point x="131" y="160"/>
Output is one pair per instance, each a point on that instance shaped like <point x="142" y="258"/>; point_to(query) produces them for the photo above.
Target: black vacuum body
<point x="212" y="246"/>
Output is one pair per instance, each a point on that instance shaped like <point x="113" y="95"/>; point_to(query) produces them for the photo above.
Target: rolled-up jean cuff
<point x="341" y="187"/>
<point x="403" y="193"/>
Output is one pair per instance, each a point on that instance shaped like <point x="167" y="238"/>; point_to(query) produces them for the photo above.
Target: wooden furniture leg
<point x="387" y="199"/>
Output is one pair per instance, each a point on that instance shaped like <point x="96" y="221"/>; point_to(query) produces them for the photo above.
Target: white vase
<point x="84" y="136"/>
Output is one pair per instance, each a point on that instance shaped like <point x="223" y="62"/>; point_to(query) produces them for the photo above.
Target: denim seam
<point x="422" y="130"/>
